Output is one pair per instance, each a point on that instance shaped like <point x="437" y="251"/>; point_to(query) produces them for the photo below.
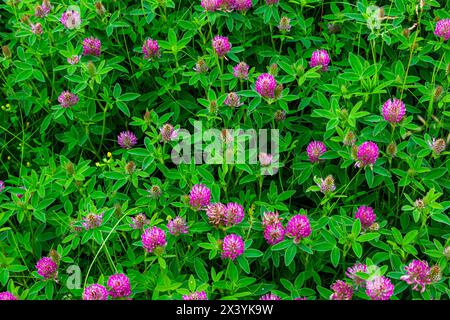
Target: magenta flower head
<point x="200" y="196"/>
<point x="367" y="154"/>
<point x="168" y="133"/>
<point x="139" y="221"/>
<point x="265" y="85"/>
<point x="71" y="19"/>
<point x="216" y="214"/>
<point x="120" y="286"/>
<point x="270" y="296"/>
<point x="315" y="149"/>
<point x="265" y="159"/>
<point x="198" y="295"/>
<point x="298" y="228"/>
<point x="366" y="216"/>
<point x="73" y="59"/>
<point x="341" y="291"/>
<point x="210" y="5"/>
<point x="95" y="292"/>
<point x="379" y="288"/>
<point x="2" y="185"/>
<point x="92" y="46"/>
<point x="126" y="139"/>
<point x="233" y="100"/>
<point x="320" y="58"/>
<point x="351" y="273"/>
<point x="418" y="274"/>
<point x="240" y="71"/>
<point x="234" y="214"/>
<point x="442" y="29"/>
<point x="233" y="246"/>
<point x="7" y="296"/>
<point x="47" y="268"/>
<point x="242" y="5"/>
<point x="177" y="226"/>
<point x="153" y="238"/>
<point x="274" y="233"/>
<point x="150" y="49"/>
<point x="36" y="28"/>
<point x="92" y="221"/>
<point x="67" y="99"/>
<point x="221" y="45"/>
<point x="393" y="110"/>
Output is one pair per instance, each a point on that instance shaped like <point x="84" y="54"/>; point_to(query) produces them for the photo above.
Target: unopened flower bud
<point x="69" y="168"/>
<point x="6" y="52"/>
<point x="99" y="8"/>
<point x="213" y="107"/>
<point x="285" y="24"/>
<point x="349" y="139"/>
<point x="117" y="210"/>
<point x="392" y="150"/>
<point x="419" y="204"/>
<point x="438" y="93"/>
<point x="374" y="227"/>
<point x="25" y="19"/>
<point x="406" y="32"/>
<point x="334" y="28"/>
<point x="278" y="91"/>
<point x="91" y="68"/>
<point x="130" y="167"/>
<point x="147" y="117"/>
<point x="280" y="115"/>
<point x="55" y="256"/>
<point x="273" y="69"/>
<point x="155" y="191"/>
<point x="435" y="273"/>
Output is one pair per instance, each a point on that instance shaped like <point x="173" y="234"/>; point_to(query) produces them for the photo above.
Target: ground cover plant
<point x="343" y="196"/>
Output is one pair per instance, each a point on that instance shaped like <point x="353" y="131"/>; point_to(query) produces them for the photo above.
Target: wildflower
<point x="270" y="296"/>
<point x="233" y="246"/>
<point x="366" y="216"/>
<point x="320" y="58"/>
<point x="153" y="238"/>
<point x="199" y="196"/>
<point x="120" y="286"/>
<point x="240" y="71"/>
<point x="351" y="273"/>
<point x="367" y="154"/>
<point x="298" y="227"/>
<point x="393" y="110"/>
<point x="437" y="145"/>
<point x="278" y="91"/>
<point x="95" y="292"/>
<point x="2" y="185"/>
<point x="6" y="52"/>
<point x="210" y="5"/>
<point x="271" y="219"/>
<point x="285" y="24"/>
<point x="234" y="214"/>
<point x="315" y="149"/>
<point x="199" y="295"/>
<point x="233" y="100"/>
<point x="5" y="295"/>
<point x="43" y="10"/>
<point x="274" y="233"/>
<point x="221" y="45"/>
<point x="139" y="221"/>
<point x="177" y="226"/>
<point x="67" y="99"/>
<point x="126" y="139"/>
<point x="242" y="5"/>
<point x="55" y="256"/>
<point x="379" y="288"/>
<point x="92" y="46"/>
<point x="265" y="85"/>
<point x="92" y="221"/>
<point x="438" y="91"/>
<point x="73" y="59"/>
<point x="47" y="268"/>
<point x="201" y="66"/>
<point x="155" y="191"/>
<point x="272" y="1"/>
<point x="150" y="49"/>
<point x="265" y="159"/>
<point x="327" y="185"/>
<point x="168" y="133"/>
<point x="36" y="28"/>
<point x="216" y="214"/>
<point x="342" y="291"/>
<point x="417" y="274"/>
<point x="71" y="19"/>
<point x="442" y="29"/>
